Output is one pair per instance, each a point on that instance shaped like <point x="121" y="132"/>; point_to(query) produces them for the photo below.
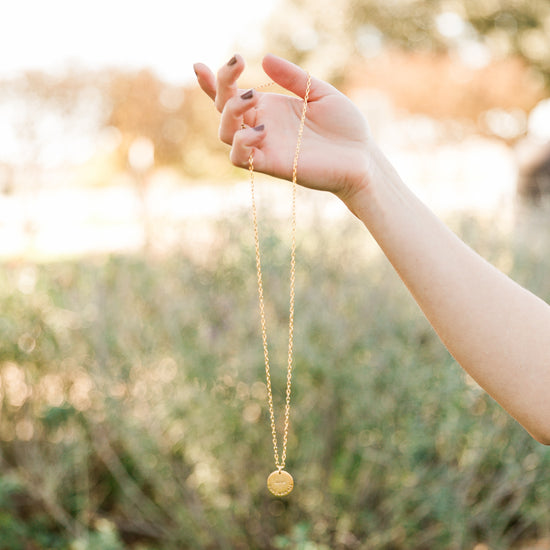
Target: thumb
<point x="293" y="78"/>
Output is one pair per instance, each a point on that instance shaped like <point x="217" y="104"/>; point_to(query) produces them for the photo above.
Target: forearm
<point x="497" y="331"/>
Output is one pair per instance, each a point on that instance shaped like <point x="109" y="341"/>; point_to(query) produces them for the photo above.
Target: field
<point x="134" y="413"/>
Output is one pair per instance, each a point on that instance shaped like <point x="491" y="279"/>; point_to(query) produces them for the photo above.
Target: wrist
<point x="375" y="173"/>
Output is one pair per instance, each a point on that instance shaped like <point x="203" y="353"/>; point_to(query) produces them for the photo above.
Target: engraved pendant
<point x="280" y="483"/>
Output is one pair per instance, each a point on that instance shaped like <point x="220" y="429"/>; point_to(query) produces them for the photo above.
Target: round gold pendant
<point x="280" y="483"/>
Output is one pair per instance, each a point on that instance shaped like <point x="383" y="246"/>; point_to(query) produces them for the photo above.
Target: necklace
<point x="279" y="482"/>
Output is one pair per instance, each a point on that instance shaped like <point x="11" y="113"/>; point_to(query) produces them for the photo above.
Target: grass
<point x="134" y="416"/>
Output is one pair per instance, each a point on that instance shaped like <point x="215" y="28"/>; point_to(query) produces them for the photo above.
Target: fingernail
<point x="195" y="69"/>
<point x="232" y="61"/>
<point x="248" y="95"/>
<point x="259" y="128"/>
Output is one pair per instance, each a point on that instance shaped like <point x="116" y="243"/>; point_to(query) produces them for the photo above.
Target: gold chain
<point x="278" y="483"/>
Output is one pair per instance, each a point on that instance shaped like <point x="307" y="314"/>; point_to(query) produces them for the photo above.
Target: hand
<point x="336" y="140"/>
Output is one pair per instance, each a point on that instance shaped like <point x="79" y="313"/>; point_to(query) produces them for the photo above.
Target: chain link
<point x="279" y="461"/>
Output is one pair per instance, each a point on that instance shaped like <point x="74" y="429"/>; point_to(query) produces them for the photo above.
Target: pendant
<point x="280" y="483"/>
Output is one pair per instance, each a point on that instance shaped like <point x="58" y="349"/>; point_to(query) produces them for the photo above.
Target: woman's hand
<point x="335" y="145"/>
<point x="495" y="329"/>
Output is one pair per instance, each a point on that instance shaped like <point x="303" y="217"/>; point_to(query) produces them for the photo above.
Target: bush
<point x="134" y="415"/>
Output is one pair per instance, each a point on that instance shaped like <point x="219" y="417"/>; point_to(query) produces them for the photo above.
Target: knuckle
<point x="226" y="76"/>
<point x="233" y="108"/>
<point x="225" y="102"/>
<point x="221" y="102"/>
<point x="237" y="157"/>
<point x="223" y="74"/>
<point x="225" y="136"/>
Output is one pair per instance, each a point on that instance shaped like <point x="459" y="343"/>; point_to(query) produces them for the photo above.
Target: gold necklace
<point x="280" y="482"/>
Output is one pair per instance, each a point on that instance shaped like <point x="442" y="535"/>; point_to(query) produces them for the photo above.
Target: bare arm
<point x="498" y="331"/>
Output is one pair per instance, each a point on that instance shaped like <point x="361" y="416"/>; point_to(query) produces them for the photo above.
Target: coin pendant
<point x="280" y="483"/>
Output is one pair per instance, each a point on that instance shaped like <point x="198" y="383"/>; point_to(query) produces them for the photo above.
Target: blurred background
<point x="133" y="410"/>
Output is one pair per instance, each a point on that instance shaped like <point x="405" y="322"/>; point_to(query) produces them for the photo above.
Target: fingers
<point x="293" y="78"/>
<point x="227" y="81"/>
<point x="245" y="142"/>
<point x="206" y="79"/>
<point x="281" y="71"/>
<point x="224" y="87"/>
<point x="236" y="107"/>
<point x="238" y="110"/>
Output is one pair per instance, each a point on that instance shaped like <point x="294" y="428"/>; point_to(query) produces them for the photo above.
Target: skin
<point x="496" y="330"/>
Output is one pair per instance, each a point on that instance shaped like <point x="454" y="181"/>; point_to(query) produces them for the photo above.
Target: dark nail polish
<point x="259" y="128"/>
<point x="232" y="61"/>
<point x="247" y="95"/>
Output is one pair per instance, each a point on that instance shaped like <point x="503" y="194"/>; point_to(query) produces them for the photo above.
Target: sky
<point x="166" y="35"/>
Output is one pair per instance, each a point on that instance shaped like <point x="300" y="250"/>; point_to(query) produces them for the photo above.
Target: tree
<point x="347" y="29"/>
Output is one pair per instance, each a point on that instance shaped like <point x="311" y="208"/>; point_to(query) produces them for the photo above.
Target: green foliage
<point x="350" y="27"/>
<point x="133" y="407"/>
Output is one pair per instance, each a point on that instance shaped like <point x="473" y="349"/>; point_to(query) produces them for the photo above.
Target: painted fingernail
<point x="247" y="95"/>
<point x="232" y="61"/>
<point x="259" y="128"/>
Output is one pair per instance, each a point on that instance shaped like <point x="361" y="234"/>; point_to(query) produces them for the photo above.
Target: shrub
<point x="133" y="406"/>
